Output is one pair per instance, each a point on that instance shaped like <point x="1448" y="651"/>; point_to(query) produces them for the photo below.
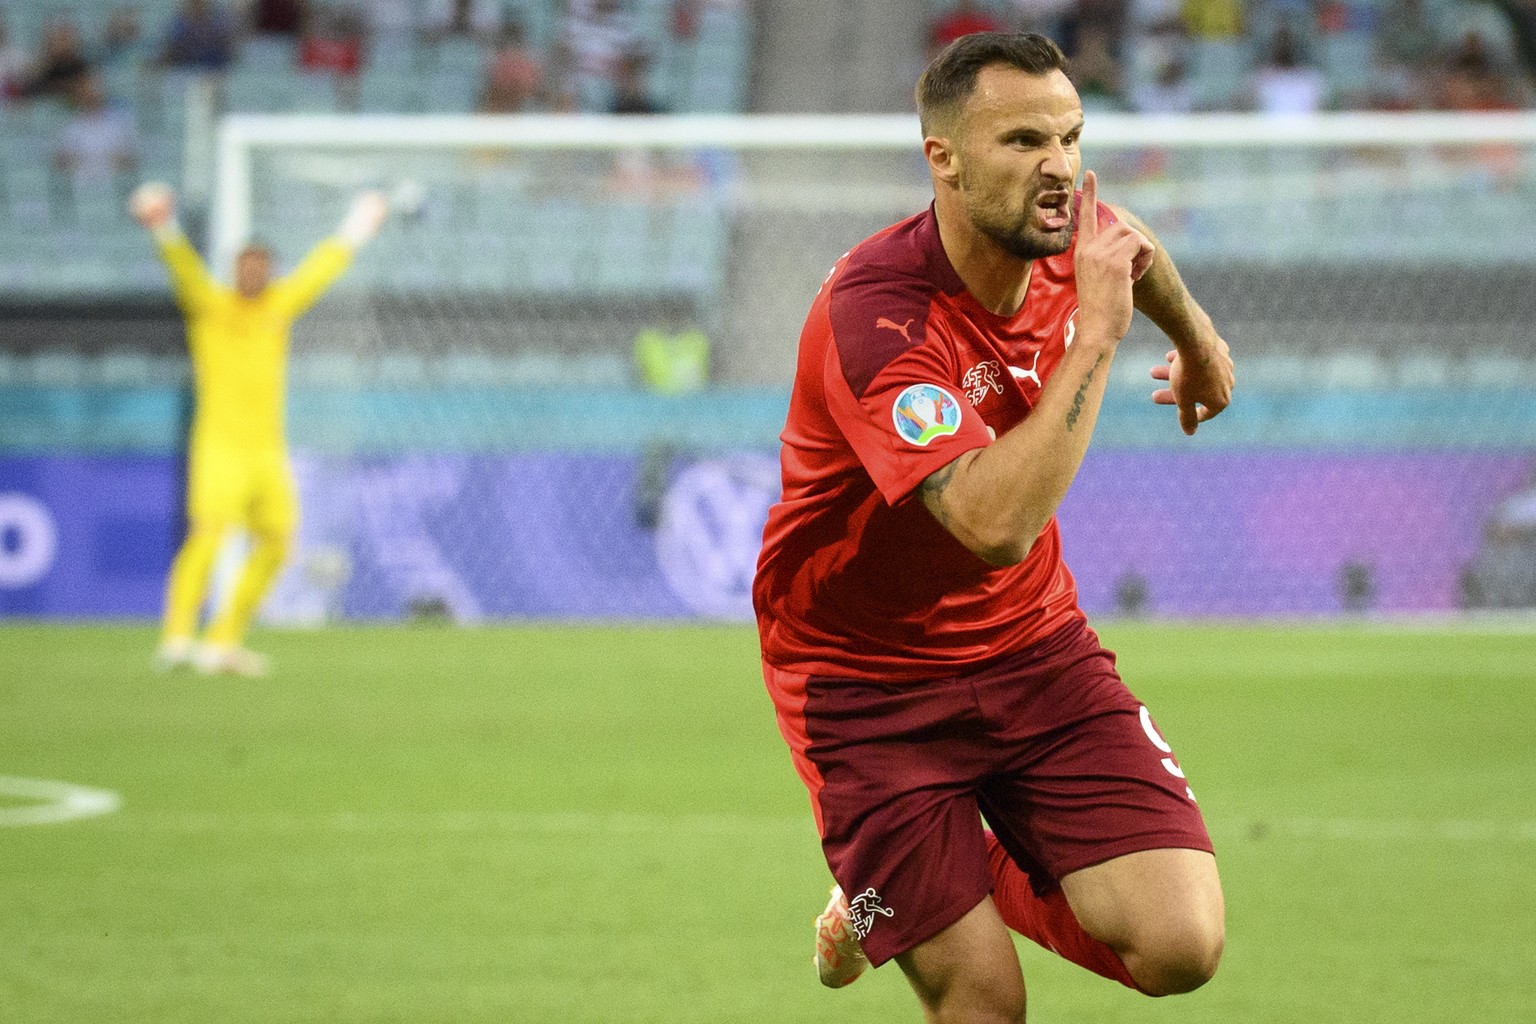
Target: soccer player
<point x="921" y="637"/>
<point x="238" y="470"/>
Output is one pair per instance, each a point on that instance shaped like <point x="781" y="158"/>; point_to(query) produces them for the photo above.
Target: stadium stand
<point x="1217" y="48"/>
<point x="62" y="236"/>
<point x="1201" y="54"/>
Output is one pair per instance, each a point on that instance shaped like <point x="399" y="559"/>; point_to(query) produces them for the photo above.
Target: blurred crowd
<point x="1278" y="56"/>
<point x="597" y="62"/>
<point x="1156" y="56"/>
<point x="595" y="58"/>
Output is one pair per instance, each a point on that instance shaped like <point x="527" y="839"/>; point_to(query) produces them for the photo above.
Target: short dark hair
<point x="950" y="78"/>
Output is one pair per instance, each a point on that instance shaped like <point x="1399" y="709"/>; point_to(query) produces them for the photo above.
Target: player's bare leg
<point x="1162" y="911"/>
<point x="185" y="591"/>
<point x="1048" y="920"/>
<point x="969" y="973"/>
<point x="224" y="649"/>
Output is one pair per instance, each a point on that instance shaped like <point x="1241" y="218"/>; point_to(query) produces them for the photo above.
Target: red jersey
<point x="900" y="372"/>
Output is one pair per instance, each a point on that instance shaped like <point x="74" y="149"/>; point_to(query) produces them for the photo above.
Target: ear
<point x="943" y="159"/>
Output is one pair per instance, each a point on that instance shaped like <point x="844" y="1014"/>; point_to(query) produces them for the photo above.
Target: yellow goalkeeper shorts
<point x="231" y="487"/>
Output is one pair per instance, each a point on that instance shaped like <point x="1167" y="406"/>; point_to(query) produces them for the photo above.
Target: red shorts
<point x="1049" y="745"/>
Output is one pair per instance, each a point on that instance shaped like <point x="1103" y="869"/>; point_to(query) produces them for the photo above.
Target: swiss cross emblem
<point x="981" y="379"/>
<point x="862" y="910"/>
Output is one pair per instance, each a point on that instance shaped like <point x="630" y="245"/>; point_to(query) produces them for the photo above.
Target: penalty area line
<point x="49" y="802"/>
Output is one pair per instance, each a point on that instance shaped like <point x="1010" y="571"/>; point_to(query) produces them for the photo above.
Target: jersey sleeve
<point x="300" y="289"/>
<point x="190" y="280"/>
<point x="910" y="421"/>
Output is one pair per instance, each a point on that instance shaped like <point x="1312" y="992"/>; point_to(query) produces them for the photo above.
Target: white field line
<point x="53" y="802"/>
<point x="576" y="823"/>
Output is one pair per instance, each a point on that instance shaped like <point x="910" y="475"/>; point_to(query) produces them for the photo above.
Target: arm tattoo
<point x="1077" y="400"/>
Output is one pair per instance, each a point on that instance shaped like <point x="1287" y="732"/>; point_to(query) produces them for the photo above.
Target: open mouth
<point x="1055" y="210"/>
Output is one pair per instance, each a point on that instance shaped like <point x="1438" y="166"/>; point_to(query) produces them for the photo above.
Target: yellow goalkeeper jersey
<point x="239" y="346"/>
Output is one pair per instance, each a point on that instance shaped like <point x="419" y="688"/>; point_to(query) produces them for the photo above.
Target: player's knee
<point x="1180" y="958"/>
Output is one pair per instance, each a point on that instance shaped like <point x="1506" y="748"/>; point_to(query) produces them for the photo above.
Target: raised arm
<point x="1199" y="369"/>
<point x="154" y="206"/>
<point x="997" y="499"/>
<point x="299" y="290"/>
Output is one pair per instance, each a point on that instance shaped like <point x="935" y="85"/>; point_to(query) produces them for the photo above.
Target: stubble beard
<point x="1024" y="241"/>
<point x="1020" y="240"/>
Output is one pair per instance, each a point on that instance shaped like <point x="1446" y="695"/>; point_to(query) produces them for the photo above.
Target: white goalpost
<point x="241" y="136"/>
<point x="1361" y="263"/>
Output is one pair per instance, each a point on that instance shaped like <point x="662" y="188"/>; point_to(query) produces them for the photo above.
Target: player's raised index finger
<point x="1088" y="209"/>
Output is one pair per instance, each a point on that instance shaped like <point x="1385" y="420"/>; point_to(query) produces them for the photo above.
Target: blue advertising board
<point x="87" y="535"/>
<point x="667" y="535"/>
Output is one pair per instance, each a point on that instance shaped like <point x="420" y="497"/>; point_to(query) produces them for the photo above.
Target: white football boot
<point x="231" y="661"/>
<point x="173" y="654"/>
<point x="839" y="958"/>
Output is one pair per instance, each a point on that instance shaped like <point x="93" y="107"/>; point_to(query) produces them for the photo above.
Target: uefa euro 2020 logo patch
<point x="925" y="411"/>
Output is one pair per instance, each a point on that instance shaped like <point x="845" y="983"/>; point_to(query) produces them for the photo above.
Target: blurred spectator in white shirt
<point x="1286" y="84"/>
<point x="598" y="33"/>
<point x="98" y="140"/>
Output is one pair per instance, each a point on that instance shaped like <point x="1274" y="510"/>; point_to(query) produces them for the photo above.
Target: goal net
<point x="553" y="385"/>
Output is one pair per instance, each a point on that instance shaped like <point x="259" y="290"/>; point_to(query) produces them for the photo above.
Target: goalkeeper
<point x="238" y="472"/>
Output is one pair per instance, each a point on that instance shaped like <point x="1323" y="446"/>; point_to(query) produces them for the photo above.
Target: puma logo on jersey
<point x="892" y="325"/>
<point x="1019" y="373"/>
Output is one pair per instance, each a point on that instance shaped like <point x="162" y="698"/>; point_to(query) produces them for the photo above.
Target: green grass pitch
<point x="562" y="824"/>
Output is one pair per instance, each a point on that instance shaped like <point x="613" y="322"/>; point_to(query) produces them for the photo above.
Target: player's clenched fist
<point x="1108" y="260"/>
<point x="152" y="204"/>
